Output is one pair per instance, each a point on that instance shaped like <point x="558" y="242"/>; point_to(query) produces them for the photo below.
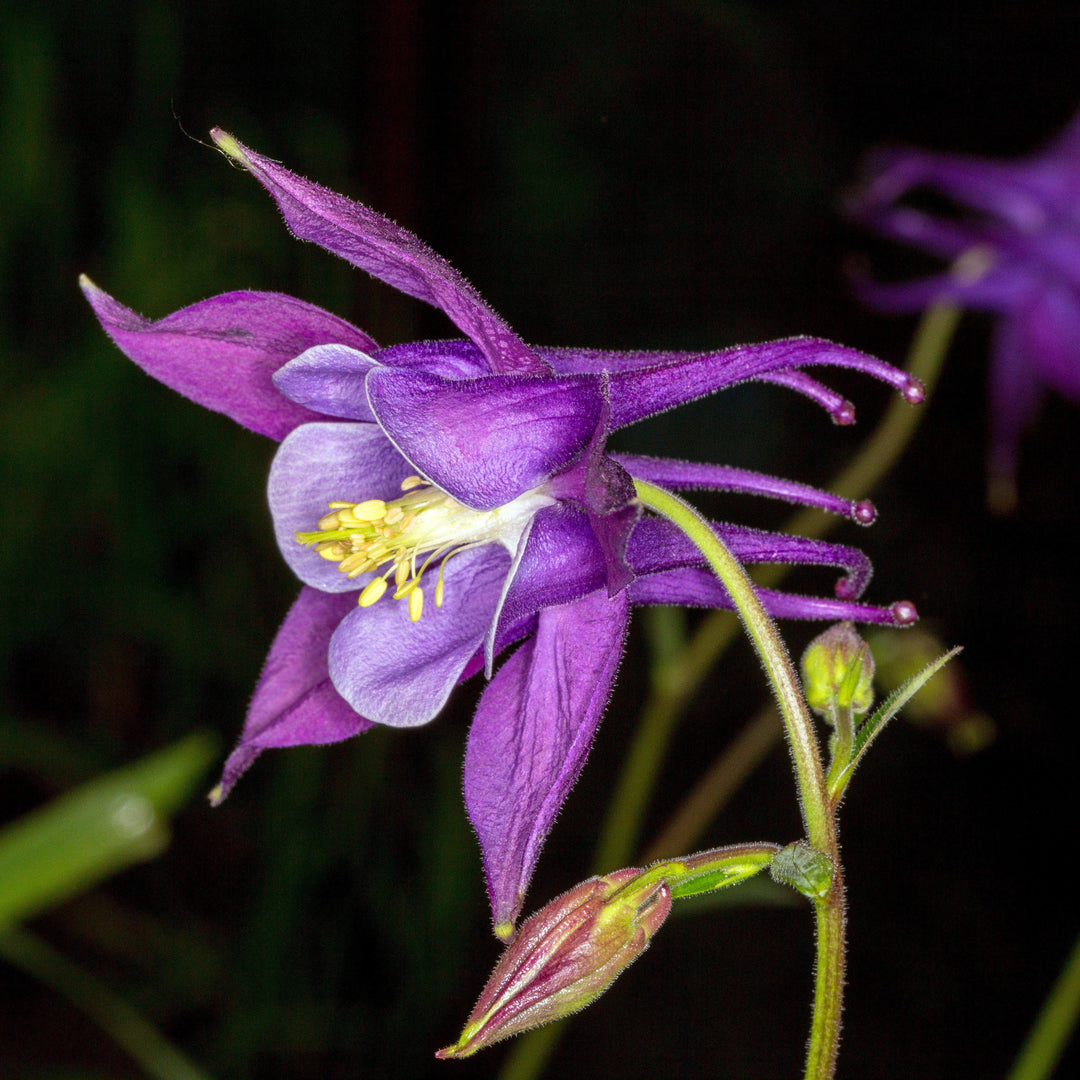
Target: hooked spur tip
<point x="914" y="392"/>
<point x="904" y="613"/>
<point x="846" y="588"/>
<point x="844" y="414"/>
<point x="864" y="512"/>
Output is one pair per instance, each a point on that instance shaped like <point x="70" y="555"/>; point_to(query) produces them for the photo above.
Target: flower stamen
<point x="409" y="534"/>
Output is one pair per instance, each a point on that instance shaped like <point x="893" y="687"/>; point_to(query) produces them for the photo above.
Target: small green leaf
<point x="716" y="879"/>
<point x="872" y="726"/>
<point x="715" y="869"/>
<point x="88" y="834"/>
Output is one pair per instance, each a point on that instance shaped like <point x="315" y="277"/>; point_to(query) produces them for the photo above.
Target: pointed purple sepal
<point x="532" y="731"/>
<point x="223" y="352"/>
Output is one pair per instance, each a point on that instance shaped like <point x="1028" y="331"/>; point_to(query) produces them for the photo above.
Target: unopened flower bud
<point x="838" y="672"/>
<point x="565" y="956"/>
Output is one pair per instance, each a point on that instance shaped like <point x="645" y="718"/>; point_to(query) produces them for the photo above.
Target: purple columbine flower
<point x="1022" y="248"/>
<point x="461" y="491"/>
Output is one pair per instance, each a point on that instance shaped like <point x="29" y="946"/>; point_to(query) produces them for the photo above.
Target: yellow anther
<point x="355" y="564"/>
<point x="416" y="603"/>
<point x="370" y="510"/>
<point x="373" y="590"/>
<point x="400" y="540"/>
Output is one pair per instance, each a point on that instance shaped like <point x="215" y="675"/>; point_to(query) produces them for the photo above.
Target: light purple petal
<point x="223" y="352"/>
<point x="532" y="732"/>
<point x="386" y="251"/>
<point x="400" y="673"/>
<point x="329" y="380"/>
<point x="486" y="441"/>
<point x="693" y="587"/>
<point x="644" y="392"/>
<point x="693" y="476"/>
<point x="295" y="704"/>
<point x="322" y="463"/>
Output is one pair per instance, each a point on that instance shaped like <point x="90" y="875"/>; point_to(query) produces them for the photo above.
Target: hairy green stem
<point x="813" y="795"/>
<point x="680" y="678"/>
<point x="817" y="808"/>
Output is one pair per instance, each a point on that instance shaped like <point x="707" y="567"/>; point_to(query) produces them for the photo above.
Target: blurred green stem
<point x="158" y="1057"/>
<point x="1053" y="1026"/>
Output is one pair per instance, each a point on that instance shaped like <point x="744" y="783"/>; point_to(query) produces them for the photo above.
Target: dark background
<point x="608" y="174"/>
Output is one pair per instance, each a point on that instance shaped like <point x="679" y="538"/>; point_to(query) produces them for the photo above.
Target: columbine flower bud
<point x="565" y="956"/>
<point x="838" y="672"/>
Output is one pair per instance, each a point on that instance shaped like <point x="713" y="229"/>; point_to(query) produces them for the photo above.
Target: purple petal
<point x="945" y="238"/>
<point x="998" y="290"/>
<point x="295" y="704"/>
<point x="223" y="352"/>
<point x="1008" y="190"/>
<point x="658" y="545"/>
<point x="486" y="441"/>
<point x="641" y="393"/>
<point x="836" y="405"/>
<point x="328" y="379"/>
<point x="1050" y="324"/>
<point x="386" y="251"/>
<point x="561" y="561"/>
<point x="400" y="673"/>
<point x="693" y="587"/>
<point x="692" y="476"/>
<point x="532" y="732"/>
<point x="322" y="463"/>
<point x="456" y="359"/>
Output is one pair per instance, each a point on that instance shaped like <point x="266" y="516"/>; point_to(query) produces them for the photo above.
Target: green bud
<point x="565" y="956"/>
<point x="804" y="868"/>
<point x="838" y="672"/>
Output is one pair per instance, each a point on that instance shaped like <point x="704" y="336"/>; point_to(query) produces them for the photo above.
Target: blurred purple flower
<point x="1021" y="261"/>
<point x="481" y="463"/>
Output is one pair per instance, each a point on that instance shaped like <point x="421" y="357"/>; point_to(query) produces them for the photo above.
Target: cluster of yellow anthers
<point x="363" y="536"/>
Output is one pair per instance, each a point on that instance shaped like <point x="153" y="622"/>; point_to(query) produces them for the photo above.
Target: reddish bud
<point x="565" y="956"/>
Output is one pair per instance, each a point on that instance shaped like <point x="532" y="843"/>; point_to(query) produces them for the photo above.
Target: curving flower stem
<point x="818" y="813"/>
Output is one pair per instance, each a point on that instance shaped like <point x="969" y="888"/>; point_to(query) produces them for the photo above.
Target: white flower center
<point x="409" y="534"/>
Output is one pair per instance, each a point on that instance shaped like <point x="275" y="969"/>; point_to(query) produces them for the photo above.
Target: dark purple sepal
<point x="295" y="703"/>
<point x="223" y="352"/>
<point x="386" y="251"/>
<point x="533" y="729"/>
